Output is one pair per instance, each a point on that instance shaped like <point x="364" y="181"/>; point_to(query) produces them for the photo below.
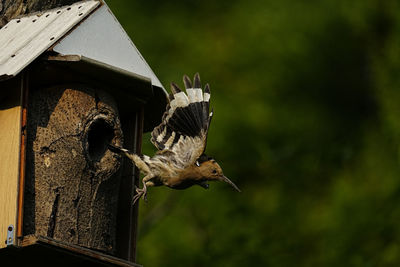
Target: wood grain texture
<point x="72" y="179"/>
<point x="24" y="39"/>
<point x="10" y="9"/>
<point x="10" y="134"/>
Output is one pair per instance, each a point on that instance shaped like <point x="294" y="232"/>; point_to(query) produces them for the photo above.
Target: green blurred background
<point x="306" y="100"/>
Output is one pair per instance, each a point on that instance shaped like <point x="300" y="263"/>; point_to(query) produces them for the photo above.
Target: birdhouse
<point x="71" y="83"/>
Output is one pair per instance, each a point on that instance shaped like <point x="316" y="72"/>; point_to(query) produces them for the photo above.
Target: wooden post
<point x="22" y="161"/>
<point x="10" y="134"/>
<point x="135" y="209"/>
<point x="128" y="214"/>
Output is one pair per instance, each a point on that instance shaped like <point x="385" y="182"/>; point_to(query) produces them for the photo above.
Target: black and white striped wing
<point x="185" y="123"/>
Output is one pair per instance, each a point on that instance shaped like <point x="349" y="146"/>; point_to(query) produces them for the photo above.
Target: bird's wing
<point x="185" y="123"/>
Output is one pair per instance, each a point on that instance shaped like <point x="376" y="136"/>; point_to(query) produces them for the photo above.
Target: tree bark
<point x="72" y="179"/>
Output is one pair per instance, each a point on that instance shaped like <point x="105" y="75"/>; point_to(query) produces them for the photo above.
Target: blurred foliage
<point x="306" y="97"/>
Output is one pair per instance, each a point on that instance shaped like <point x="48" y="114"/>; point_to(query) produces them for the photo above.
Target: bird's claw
<point x="140" y="192"/>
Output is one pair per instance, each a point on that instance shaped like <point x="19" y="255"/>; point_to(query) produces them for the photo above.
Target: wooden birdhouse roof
<point x="23" y="39"/>
<point x="87" y="37"/>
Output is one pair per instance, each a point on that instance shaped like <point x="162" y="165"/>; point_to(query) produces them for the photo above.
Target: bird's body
<point x="181" y="139"/>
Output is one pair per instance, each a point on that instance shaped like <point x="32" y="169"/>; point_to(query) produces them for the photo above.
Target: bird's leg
<point x="143" y="191"/>
<point x="143" y="167"/>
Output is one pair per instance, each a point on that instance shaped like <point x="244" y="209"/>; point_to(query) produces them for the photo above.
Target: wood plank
<point x="10" y="135"/>
<point x="22" y="40"/>
<point x="39" y="250"/>
<point x="135" y="209"/>
<point x="22" y="160"/>
<point x="15" y="8"/>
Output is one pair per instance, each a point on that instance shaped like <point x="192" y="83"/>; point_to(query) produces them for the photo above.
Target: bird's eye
<point x="214" y="171"/>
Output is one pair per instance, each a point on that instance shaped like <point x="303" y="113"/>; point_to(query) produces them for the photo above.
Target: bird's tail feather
<point x="140" y="161"/>
<point x="119" y="150"/>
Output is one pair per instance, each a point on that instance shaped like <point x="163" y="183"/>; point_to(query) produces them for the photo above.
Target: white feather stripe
<point x="161" y="136"/>
<point x="207" y="97"/>
<point x="170" y="140"/>
<point x="191" y="94"/>
<point x="180" y="100"/>
<point x="199" y="95"/>
<point x="195" y="94"/>
<point x="172" y="105"/>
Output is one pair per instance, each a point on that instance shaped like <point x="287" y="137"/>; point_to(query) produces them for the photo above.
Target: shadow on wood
<point x="43" y="251"/>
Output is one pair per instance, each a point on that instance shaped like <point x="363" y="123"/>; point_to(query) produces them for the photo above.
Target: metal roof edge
<point x="159" y="84"/>
<point x="102" y="37"/>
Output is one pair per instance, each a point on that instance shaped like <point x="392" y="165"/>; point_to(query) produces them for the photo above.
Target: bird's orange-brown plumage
<point x="181" y="140"/>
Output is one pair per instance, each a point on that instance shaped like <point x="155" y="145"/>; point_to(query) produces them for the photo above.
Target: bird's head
<point x="211" y="171"/>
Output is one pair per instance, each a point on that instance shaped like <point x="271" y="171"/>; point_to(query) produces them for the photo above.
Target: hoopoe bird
<point x="181" y="138"/>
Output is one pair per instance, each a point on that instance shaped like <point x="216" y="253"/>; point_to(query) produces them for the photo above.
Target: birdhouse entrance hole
<point x="99" y="135"/>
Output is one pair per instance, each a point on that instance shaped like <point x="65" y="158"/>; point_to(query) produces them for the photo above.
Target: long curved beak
<point x="226" y="179"/>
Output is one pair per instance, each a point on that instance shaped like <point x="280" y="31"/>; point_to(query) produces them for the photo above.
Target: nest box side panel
<point x="10" y="134"/>
<point x="72" y="178"/>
